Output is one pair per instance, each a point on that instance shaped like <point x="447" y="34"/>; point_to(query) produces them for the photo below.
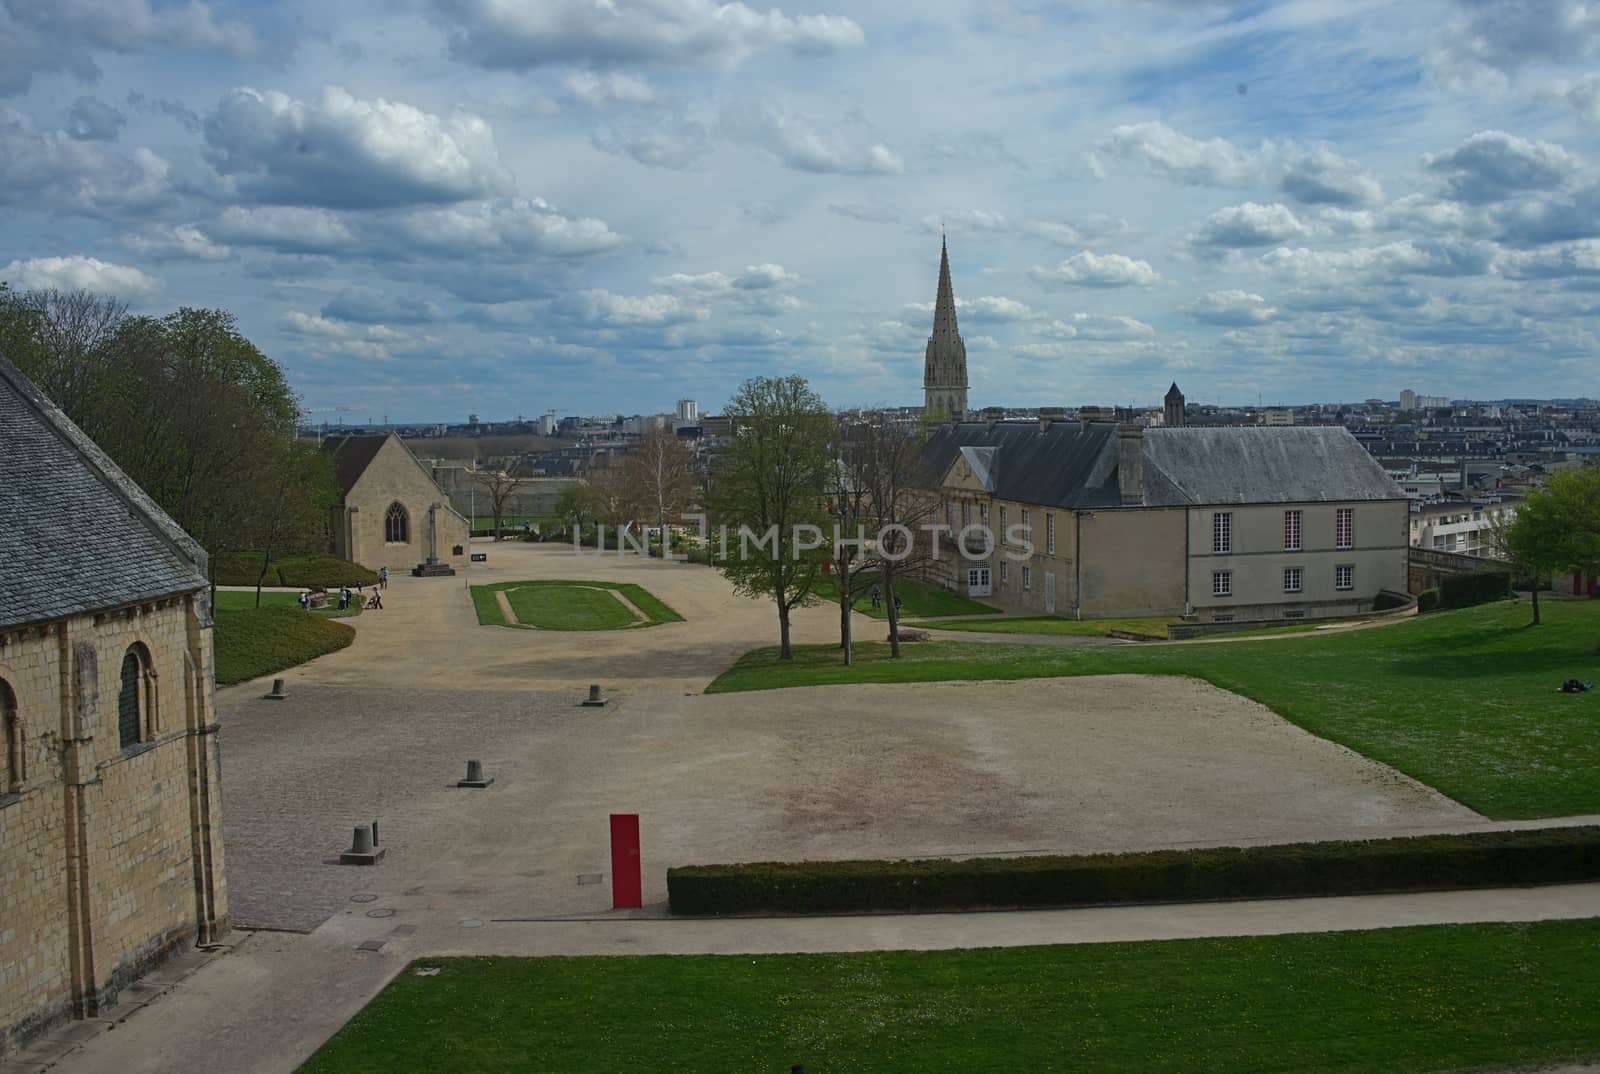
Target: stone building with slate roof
<point x="110" y="831"/>
<point x="1099" y="520"/>
<point x="389" y="501"/>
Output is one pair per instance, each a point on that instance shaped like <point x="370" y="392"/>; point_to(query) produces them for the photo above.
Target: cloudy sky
<point x="429" y="208"/>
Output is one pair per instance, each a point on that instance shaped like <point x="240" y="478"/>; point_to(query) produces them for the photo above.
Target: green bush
<point x="1386" y="600"/>
<point x="1427" y="600"/>
<point x="1422" y="863"/>
<point x="311" y="570"/>
<point x="1465" y="590"/>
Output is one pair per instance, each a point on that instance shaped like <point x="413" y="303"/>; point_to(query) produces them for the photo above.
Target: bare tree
<point x="857" y="568"/>
<point x="659" y="476"/>
<point x="499" y="486"/>
<point x="898" y="507"/>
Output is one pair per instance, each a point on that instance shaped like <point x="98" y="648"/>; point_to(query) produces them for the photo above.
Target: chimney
<point x="1130" y="463"/>
<point x="1048" y="414"/>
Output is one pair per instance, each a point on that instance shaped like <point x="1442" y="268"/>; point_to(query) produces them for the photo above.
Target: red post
<point x="626" y="887"/>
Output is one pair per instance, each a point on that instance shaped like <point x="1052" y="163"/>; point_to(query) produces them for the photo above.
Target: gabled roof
<point x="76" y="534"/>
<point x="1279" y="464"/>
<point x="351" y="457"/>
<point x="981" y="460"/>
<point x="1066" y="465"/>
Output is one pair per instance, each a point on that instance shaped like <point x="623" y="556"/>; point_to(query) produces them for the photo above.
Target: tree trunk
<point x="845" y="606"/>
<point x="784" y="652"/>
<point x="1536" y="602"/>
<point x="894" y="618"/>
<point x="266" y="561"/>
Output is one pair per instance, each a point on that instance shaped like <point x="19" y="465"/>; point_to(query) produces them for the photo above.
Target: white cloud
<point x="185" y="242"/>
<point x="91" y="120"/>
<point x="596" y="89"/>
<point x="602" y="308"/>
<point x="1250" y="224"/>
<point x="78" y="272"/>
<point x="996" y="308"/>
<point x="494" y="34"/>
<point x="1321" y="176"/>
<point x="343" y="152"/>
<point x="800" y="144"/>
<point x="675" y="144"/>
<point x="286" y="228"/>
<point x="504" y="226"/>
<point x="1553" y="262"/>
<point x="1088" y="269"/>
<point x="1443" y="257"/>
<point x="1216" y="162"/>
<point x="1493" y="165"/>
<point x="53" y="169"/>
<point x="1097" y="326"/>
<point x="1233" y="308"/>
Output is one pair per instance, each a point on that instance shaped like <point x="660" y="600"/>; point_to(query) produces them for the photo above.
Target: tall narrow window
<point x="132" y="698"/>
<point x="1291" y="579"/>
<point x="1291" y="531"/>
<point x="1344" y="577"/>
<point x="966" y="513"/>
<point x="396" y="525"/>
<point x="11" y="754"/>
<point x="1222" y="583"/>
<point x="1222" y="532"/>
<point x="1049" y="534"/>
<point x="1344" y="527"/>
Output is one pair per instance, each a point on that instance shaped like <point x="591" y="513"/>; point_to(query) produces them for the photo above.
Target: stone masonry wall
<point x="395" y="476"/>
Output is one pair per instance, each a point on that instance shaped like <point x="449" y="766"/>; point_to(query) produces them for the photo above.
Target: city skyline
<point x="453" y="209"/>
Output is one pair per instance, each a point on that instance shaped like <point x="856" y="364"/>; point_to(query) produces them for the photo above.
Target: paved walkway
<point x="381" y="729"/>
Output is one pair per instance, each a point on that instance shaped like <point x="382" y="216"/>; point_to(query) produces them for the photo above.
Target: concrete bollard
<point x="474" y="776"/>
<point x="278" y="692"/>
<point x="595" y="701"/>
<point x="363" y="847"/>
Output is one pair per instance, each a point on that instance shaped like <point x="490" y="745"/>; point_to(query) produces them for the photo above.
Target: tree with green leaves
<point x="768" y="488"/>
<point x="577" y="504"/>
<point x="1557" y="528"/>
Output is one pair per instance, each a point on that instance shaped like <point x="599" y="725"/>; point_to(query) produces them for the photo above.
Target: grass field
<point x="234" y="600"/>
<point x="1049" y="624"/>
<point x="259" y="641"/>
<point x="1440" y="998"/>
<point x="311" y="569"/>
<point x="570" y="605"/>
<point x="1464" y="701"/>
<point x="915" y="601"/>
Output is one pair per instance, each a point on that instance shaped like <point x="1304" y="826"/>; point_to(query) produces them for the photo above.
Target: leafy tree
<point x="768" y="482"/>
<point x="577" y="504"/>
<point x="290" y="513"/>
<point x="1557" y="528"/>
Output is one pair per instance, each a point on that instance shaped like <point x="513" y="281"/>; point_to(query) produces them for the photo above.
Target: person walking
<point x="375" y="602"/>
<point x="383" y="577"/>
<point x="877" y="598"/>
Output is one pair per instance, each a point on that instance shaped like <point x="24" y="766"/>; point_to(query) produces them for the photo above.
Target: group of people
<point x="374" y="602"/>
<point x="877" y="601"/>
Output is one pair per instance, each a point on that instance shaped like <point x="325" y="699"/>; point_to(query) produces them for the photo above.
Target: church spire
<point x="944" y="378"/>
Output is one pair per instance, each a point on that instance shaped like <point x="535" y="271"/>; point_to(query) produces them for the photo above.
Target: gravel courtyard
<point x="382" y="731"/>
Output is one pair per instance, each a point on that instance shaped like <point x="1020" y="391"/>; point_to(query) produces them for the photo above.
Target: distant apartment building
<point x="1277" y="416"/>
<point x="1466" y="529"/>
<point x="688" y="412"/>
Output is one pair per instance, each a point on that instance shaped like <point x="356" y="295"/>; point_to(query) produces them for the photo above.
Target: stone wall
<point x="395" y="476"/>
<point x="110" y="858"/>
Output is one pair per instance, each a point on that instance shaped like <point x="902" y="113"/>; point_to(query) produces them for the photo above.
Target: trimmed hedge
<point x="1465" y="590"/>
<point x="1428" y="600"/>
<point x="313" y="569"/>
<point x="1418" y="863"/>
<point x="1386" y="601"/>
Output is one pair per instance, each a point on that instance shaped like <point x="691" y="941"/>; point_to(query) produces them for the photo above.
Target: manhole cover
<point x="402" y="930"/>
<point x="380" y="913"/>
<point x="363" y="898"/>
<point x="591" y="878"/>
<point x="370" y="945"/>
<point x="471" y="923"/>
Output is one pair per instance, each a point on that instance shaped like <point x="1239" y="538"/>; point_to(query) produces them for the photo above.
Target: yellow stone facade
<point x="395" y="477"/>
<point x="110" y="857"/>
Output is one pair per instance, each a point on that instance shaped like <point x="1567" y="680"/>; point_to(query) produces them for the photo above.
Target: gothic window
<point x="396" y="525"/>
<point x="135" y="697"/>
<point x="11" y="754"/>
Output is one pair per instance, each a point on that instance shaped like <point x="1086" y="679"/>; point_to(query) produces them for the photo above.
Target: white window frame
<point x="966" y="512"/>
<point x="1291" y="531"/>
<point x="1003" y="536"/>
<point x="1221" y="533"/>
<point x="1049" y="533"/>
<point x="1346" y="571"/>
<point x="1027" y="579"/>
<point x="1005" y="572"/>
<point x="1027" y="523"/>
<point x="1344" y="527"/>
<point x="1222" y="583"/>
<point x="1292" y="580"/>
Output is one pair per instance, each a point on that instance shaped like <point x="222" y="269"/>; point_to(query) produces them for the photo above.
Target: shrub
<point x="314" y="569"/>
<point x="1427" y="600"/>
<point x="1422" y="863"/>
<point x="1465" y="590"/>
<point x="1386" y="600"/>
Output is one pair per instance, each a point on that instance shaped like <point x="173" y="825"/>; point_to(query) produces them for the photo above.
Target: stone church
<point x="1097" y="519"/>
<point x="392" y="513"/>
<point x="110" y="829"/>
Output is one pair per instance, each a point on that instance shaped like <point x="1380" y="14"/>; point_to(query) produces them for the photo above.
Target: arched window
<point x="135" y="697"/>
<point x="12" y="760"/>
<point x="396" y="525"/>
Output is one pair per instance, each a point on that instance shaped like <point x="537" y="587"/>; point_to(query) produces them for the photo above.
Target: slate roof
<point x="351" y="457"/>
<point x="1283" y="464"/>
<point x="1074" y="466"/>
<point x="1067" y="465"/>
<point x="76" y="535"/>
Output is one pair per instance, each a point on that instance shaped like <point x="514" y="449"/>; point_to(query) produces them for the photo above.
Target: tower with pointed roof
<point x="1172" y="407"/>
<point x="944" y="375"/>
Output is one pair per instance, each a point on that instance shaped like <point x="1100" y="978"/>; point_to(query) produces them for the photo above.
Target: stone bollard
<point x="474" y="776"/>
<point x="595" y="701"/>
<point x="363" y="847"/>
<point x="278" y="692"/>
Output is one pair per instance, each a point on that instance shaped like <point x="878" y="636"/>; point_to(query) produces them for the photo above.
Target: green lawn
<point x="1464" y="701"/>
<point x="234" y="600"/>
<point x="259" y="641"/>
<point x="915" y="601"/>
<point x="1050" y="624"/>
<point x="1439" y="998"/>
<point x="310" y="569"/>
<point x="570" y="605"/>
